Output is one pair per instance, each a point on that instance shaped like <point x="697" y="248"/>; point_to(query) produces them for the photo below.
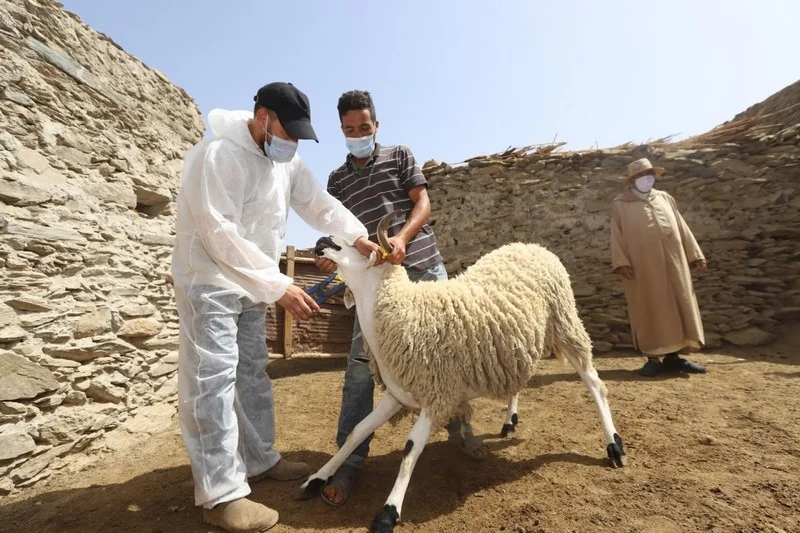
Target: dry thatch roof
<point x="780" y="112"/>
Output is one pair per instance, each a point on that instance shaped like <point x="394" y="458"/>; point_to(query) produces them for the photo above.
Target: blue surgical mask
<point x="360" y="147"/>
<point x="280" y="150"/>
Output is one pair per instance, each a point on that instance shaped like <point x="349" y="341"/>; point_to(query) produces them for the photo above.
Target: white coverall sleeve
<point x="322" y="211"/>
<point x="215" y="197"/>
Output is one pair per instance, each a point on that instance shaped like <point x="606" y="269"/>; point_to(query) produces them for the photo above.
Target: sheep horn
<point x="383" y="230"/>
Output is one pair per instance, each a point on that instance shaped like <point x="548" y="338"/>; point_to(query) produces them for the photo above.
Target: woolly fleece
<point x="483" y="331"/>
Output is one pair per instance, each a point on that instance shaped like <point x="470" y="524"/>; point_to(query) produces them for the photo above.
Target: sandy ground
<point x="719" y="452"/>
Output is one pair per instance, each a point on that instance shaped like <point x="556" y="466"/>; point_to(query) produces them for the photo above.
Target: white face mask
<point x="361" y="146"/>
<point x="279" y="150"/>
<point x="645" y="183"/>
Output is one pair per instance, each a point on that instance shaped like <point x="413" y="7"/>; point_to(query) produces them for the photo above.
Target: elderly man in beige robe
<point x="653" y="249"/>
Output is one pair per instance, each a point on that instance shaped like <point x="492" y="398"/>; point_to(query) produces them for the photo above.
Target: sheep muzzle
<point x="325" y="242"/>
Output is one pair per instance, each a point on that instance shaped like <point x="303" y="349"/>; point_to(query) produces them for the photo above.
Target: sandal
<point x="342" y="481"/>
<point x="466" y="442"/>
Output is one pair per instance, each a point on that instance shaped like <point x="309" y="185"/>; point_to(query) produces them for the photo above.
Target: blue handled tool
<point x="320" y="294"/>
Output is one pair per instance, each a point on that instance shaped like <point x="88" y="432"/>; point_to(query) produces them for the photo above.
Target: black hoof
<point x="616" y="452"/>
<point x="510" y="429"/>
<point x="386" y="520"/>
<point x="310" y="490"/>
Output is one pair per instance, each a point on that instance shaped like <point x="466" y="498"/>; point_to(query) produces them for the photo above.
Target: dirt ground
<point x="718" y="452"/>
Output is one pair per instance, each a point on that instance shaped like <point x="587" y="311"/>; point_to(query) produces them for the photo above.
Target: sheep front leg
<point x="510" y="427"/>
<point x="390" y="514"/>
<point x="386" y="408"/>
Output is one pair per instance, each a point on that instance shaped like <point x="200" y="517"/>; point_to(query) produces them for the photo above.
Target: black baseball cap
<point x="291" y="106"/>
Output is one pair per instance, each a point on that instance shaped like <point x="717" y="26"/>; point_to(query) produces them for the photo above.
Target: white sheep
<point x="439" y="344"/>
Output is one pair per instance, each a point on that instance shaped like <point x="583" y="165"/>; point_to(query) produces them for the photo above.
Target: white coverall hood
<point x="228" y="124"/>
<point x="232" y="210"/>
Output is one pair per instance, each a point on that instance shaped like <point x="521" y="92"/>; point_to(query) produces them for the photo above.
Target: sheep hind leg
<point x="510" y="427"/>
<point x="386" y="408"/>
<point x="597" y="389"/>
<point x="389" y="516"/>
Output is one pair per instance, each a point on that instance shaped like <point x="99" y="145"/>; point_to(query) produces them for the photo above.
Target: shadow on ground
<point x="161" y="501"/>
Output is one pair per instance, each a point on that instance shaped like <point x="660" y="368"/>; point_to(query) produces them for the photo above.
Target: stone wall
<point x="738" y="188"/>
<point x="91" y="146"/>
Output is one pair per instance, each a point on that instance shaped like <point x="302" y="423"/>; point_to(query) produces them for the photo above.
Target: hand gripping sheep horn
<point x="383" y="230"/>
<point x="439" y="344"/>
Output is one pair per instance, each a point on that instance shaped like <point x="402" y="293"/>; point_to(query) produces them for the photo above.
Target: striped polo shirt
<point x="381" y="187"/>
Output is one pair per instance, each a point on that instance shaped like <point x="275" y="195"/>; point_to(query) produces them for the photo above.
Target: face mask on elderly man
<point x="645" y="183"/>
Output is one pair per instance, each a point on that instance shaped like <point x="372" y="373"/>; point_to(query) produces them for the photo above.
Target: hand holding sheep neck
<point x="366" y="248"/>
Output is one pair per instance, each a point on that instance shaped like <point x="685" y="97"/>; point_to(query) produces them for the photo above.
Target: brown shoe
<point x="282" y="471"/>
<point x="241" y="516"/>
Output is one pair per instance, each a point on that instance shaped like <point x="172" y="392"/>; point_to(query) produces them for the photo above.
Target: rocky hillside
<point x="91" y="142"/>
<point x="781" y="108"/>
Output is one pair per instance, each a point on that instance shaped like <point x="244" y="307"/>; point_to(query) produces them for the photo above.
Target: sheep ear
<point x="372" y="258"/>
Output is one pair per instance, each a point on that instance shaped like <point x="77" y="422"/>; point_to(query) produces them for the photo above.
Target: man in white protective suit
<point x="236" y="190"/>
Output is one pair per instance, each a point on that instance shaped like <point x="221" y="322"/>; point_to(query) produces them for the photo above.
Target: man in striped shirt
<point x="373" y="181"/>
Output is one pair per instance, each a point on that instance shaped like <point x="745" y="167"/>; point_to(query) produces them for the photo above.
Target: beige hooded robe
<point x="651" y="237"/>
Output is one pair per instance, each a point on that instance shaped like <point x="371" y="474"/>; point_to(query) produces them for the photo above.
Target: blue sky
<point x="454" y="79"/>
